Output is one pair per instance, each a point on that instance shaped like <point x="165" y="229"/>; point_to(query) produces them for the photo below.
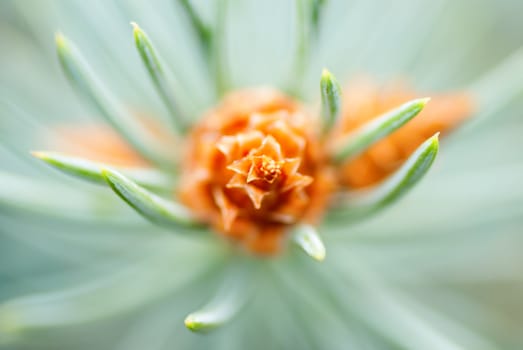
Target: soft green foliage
<point x="149" y="205"/>
<point x="357" y="205"/>
<point x="330" y="99"/>
<point x="365" y="136"/>
<point x="89" y="87"/>
<point x="108" y="297"/>
<point x="20" y="194"/>
<point x="218" y="63"/>
<point x="92" y="171"/>
<point x="302" y="46"/>
<point x="228" y="301"/>
<point x="317" y="6"/>
<point x="204" y="33"/>
<point x="153" y="64"/>
<point x="440" y="269"/>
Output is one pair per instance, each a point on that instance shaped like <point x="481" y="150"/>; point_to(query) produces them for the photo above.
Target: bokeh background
<point x="446" y="263"/>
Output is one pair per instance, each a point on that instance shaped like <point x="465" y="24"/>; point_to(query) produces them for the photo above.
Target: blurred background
<point x="447" y="261"/>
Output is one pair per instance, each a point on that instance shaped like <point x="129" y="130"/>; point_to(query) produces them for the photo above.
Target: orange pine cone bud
<point x="254" y="167"/>
<point x="364" y="101"/>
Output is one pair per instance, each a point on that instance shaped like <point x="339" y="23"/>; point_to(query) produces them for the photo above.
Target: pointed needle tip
<point x="319" y="256"/>
<point x="135" y="26"/>
<point x="425" y="100"/>
<point x="325" y="73"/>
<point x="191" y="324"/>
<point x="59" y="39"/>
<point x="38" y="154"/>
<point x="310" y="242"/>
